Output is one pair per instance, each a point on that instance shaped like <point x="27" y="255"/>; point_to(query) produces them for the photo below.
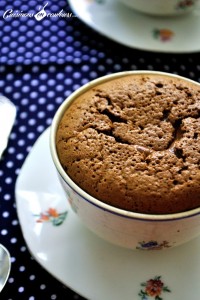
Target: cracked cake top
<point x="134" y="143"/>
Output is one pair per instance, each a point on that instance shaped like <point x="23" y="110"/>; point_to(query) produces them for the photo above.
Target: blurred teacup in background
<point x="162" y="7"/>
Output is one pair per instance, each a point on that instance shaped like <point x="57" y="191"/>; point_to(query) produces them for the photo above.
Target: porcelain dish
<point x="125" y="228"/>
<point x="84" y="262"/>
<point x="124" y="25"/>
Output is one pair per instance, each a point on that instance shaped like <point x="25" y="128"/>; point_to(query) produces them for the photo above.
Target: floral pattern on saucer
<point x="153" y="289"/>
<point x="164" y="34"/>
<point x="156" y="34"/>
<point x="185" y="4"/>
<point x="52" y="215"/>
<point x="153" y="245"/>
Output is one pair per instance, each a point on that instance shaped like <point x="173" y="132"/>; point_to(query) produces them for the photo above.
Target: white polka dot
<point x="18" y="69"/>
<point x="41" y="114"/>
<point x="2" y="83"/>
<point x="24" y="115"/>
<point x="93" y="74"/>
<point x="9" y="76"/>
<point x="9" y="164"/>
<point x="31" y="135"/>
<point x="68" y="81"/>
<point x="51" y="82"/>
<point x="21" y="289"/>
<point x="8" y="180"/>
<point x="32" y="277"/>
<point x="23" y="249"/>
<point x="52" y="69"/>
<point x="109" y="61"/>
<point x="43" y="286"/>
<point x="192" y="74"/>
<point x="51" y="94"/>
<point x="17" y="83"/>
<point x="22" y="268"/>
<point x="28" y="148"/>
<point x="43" y="76"/>
<point x="34" y="82"/>
<point x="53" y="297"/>
<point x="16" y="95"/>
<point x="13" y="241"/>
<point x="17" y="171"/>
<point x="76" y="75"/>
<point x="4" y="232"/>
<point x="15" y="222"/>
<point x="84" y="81"/>
<point x="7" y="197"/>
<point x="33" y="107"/>
<point x="5" y="214"/>
<point x="166" y="67"/>
<point x="85" y="68"/>
<point x="60" y="76"/>
<point x="8" y="89"/>
<point x="42" y="100"/>
<point x="150" y="67"/>
<point x="59" y="100"/>
<point x="21" y="142"/>
<point x="22" y="128"/>
<point x="76" y="87"/>
<point x="11" y="280"/>
<point x="20" y="156"/>
<point x="26" y="77"/>
<point x="67" y="93"/>
<point x="33" y="95"/>
<point x="25" y="89"/>
<point x="11" y="150"/>
<point x="13" y="259"/>
<point x="50" y="107"/>
<point x="117" y="67"/>
<point x="42" y="88"/>
<point x="13" y="136"/>
<point x="24" y="101"/>
<point x="32" y="122"/>
<point x="101" y="68"/>
<point x="40" y="128"/>
<point x="68" y="69"/>
<point x="49" y="121"/>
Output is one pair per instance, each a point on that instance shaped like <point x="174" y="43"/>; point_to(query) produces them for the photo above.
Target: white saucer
<point x="124" y="25"/>
<point x="90" y="266"/>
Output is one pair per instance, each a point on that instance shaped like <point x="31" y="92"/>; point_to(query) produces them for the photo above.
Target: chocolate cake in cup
<point x="127" y="150"/>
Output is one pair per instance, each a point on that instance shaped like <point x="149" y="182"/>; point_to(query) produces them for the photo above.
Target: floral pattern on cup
<point x="52" y="215"/>
<point x="163" y="34"/>
<point x="185" y="4"/>
<point x="153" y="245"/>
<point x="153" y="289"/>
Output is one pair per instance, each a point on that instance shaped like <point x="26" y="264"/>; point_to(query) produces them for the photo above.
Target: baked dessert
<point x="134" y="143"/>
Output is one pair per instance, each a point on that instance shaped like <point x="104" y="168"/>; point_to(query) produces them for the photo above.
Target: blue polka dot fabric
<point x="41" y="63"/>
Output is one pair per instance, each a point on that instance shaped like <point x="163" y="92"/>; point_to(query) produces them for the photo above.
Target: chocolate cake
<point x="134" y="143"/>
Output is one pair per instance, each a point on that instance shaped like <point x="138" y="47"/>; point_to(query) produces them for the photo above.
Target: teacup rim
<point x="98" y="203"/>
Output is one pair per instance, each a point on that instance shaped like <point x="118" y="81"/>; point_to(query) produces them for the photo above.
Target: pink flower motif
<point x="153" y="288"/>
<point x="51" y="215"/>
<point x="163" y="34"/>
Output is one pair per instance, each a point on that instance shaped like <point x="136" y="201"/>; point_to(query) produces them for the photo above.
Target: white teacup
<point x="162" y="7"/>
<point x="120" y="227"/>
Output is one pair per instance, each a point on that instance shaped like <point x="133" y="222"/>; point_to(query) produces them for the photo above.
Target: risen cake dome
<point x="134" y="143"/>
